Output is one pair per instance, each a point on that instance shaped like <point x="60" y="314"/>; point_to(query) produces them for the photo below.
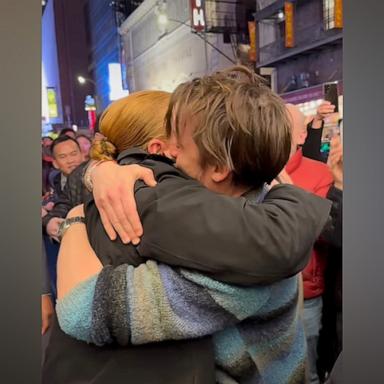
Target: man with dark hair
<point x="68" y="132"/>
<point x="66" y="157"/>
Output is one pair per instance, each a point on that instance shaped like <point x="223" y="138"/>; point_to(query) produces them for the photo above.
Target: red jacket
<point x="313" y="176"/>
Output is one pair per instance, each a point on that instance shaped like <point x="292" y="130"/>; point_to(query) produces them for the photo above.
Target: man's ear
<point x="156" y="147"/>
<point x="220" y="174"/>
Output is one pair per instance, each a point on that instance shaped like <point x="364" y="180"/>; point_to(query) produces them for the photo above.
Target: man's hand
<point x="46" y="208"/>
<point x="323" y="111"/>
<point x="53" y="227"/>
<point x="46" y="313"/>
<point x="335" y="161"/>
<point x="113" y="190"/>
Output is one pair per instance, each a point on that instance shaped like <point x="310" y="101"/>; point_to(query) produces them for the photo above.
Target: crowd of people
<point x="196" y="240"/>
<point x="60" y="157"/>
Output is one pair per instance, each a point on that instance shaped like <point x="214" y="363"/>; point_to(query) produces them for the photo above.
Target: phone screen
<point x="331" y="94"/>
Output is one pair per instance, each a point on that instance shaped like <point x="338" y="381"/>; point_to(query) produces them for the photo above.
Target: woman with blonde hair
<point x="135" y="121"/>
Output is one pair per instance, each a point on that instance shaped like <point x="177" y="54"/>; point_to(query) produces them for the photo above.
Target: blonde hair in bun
<point x="102" y="149"/>
<point x="130" y="122"/>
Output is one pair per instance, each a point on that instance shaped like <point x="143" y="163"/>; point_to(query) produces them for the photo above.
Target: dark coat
<point x="179" y="214"/>
<point x="74" y="193"/>
<point x="331" y="334"/>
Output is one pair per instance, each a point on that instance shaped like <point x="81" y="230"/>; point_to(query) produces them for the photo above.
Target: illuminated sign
<point x="198" y="15"/>
<point x="89" y="103"/>
<point x="116" y="90"/>
<point x="338" y="14"/>
<point x="289" y="25"/>
<point x="52" y="103"/>
<point x="252" y="41"/>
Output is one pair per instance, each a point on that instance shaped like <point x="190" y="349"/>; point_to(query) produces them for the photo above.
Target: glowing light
<point x="81" y="79"/>
<point x="44" y="97"/>
<point x="116" y="90"/>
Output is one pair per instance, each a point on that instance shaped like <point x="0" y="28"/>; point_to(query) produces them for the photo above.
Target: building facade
<point x="52" y="111"/>
<point x="104" y="19"/>
<point x="64" y="57"/>
<point x="73" y="57"/>
<point x="300" y="44"/>
<point x="160" y="56"/>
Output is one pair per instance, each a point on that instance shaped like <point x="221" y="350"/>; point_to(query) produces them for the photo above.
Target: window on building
<point x="329" y="14"/>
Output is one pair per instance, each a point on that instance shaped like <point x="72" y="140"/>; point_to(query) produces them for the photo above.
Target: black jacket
<point x="74" y="193"/>
<point x="227" y="238"/>
<point x="331" y="334"/>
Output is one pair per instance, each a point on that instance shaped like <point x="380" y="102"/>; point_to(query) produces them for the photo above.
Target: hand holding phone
<point x="331" y="94"/>
<point x="325" y="109"/>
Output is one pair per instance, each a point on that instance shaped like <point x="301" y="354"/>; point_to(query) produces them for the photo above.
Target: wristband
<point x="67" y="223"/>
<point x="87" y="178"/>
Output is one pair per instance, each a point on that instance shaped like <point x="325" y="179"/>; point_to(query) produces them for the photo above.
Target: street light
<point x="82" y="80"/>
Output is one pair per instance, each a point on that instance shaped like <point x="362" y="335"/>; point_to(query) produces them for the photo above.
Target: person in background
<point x="331" y="340"/>
<point x="67" y="156"/>
<point x="313" y="176"/>
<point x="46" y="143"/>
<point x="47" y="166"/>
<point x="85" y="145"/>
<point x="312" y="144"/>
<point x="74" y="193"/>
<point x="69" y="132"/>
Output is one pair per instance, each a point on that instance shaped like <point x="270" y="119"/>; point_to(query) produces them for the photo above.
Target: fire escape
<point x="229" y="18"/>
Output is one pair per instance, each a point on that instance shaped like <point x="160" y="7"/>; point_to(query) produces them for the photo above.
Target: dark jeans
<point x="312" y="325"/>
